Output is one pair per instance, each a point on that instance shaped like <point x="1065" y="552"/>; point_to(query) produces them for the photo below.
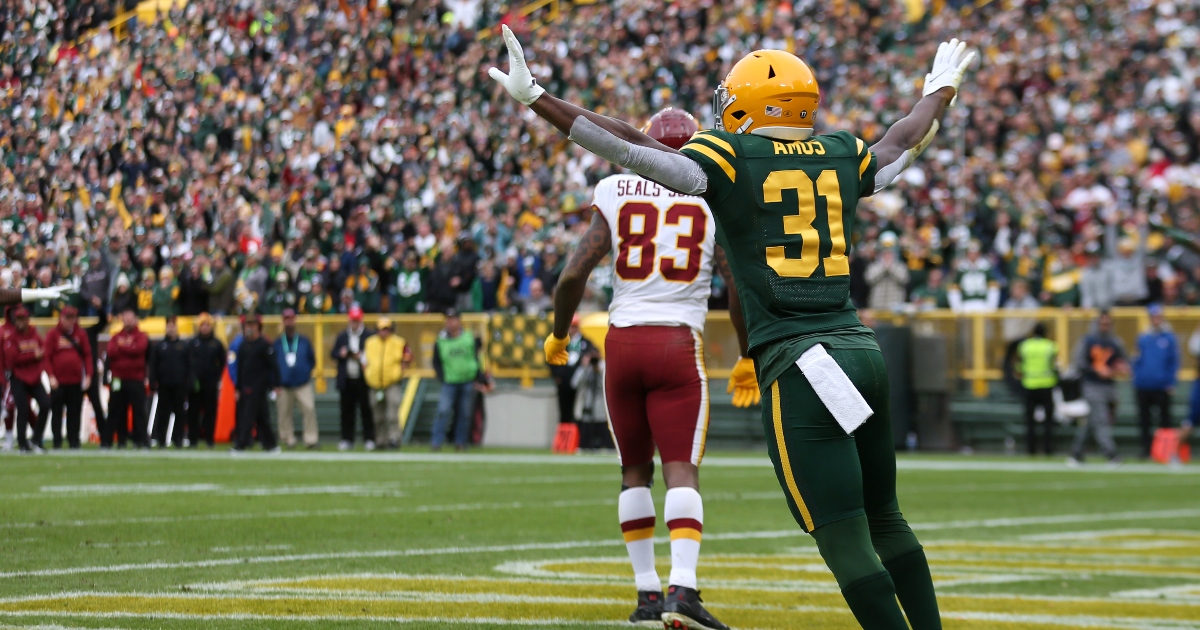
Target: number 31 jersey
<point x="785" y="212"/>
<point x="662" y="253"/>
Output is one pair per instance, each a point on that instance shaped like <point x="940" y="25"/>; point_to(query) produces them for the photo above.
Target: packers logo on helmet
<point x="768" y="93"/>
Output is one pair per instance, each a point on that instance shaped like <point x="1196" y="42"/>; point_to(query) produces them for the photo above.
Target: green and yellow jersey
<point x="785" y="215"/>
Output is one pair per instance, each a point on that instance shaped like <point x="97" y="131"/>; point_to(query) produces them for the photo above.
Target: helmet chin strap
<point x="789" y="134"/>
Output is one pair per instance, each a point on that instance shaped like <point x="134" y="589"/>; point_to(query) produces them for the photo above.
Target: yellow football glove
<point x="556" y="350"/>
<point x="743" y="384"/>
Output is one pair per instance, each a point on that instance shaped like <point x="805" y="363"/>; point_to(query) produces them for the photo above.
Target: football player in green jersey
<point x="784" y="201"/>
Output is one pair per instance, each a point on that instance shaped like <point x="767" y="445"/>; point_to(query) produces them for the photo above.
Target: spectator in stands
<point x="1154" y="372"/>
<point x="387" y="357"/>
<point x="537" y="303"/>
<point x="317" y="301"/>
<point x="145" y="293"/>
<point x="220" y="284"/>
<point x="975" y="288"/>
<point x="887" y="276"/>
<point x="70" y="367"/>
<point x="207" y="356"/>
<point x="95" y="283"/>
<point x="1099" y="357"/>
<point x="456" y="362"/>
<point x="23" y="358"/>
<point x="193" y="298"/>
<point x="1127" y="262"/>
<point x="409" y="294"/>
<point x="123" y="297"/>
<point x="127" y="352"/>
<point x="280" y="297"/>
<point x="932" y="294"/>
<point x="1096" y="289"/>
<point x="258" y="375"/>
<point x="351" y="380"/>
<point x="257" y="165"/>
<point x="170" y="374"/>
<point x="166" y="294"/>
<point x="297" y="360"/>
<point x="1036" y="359"/>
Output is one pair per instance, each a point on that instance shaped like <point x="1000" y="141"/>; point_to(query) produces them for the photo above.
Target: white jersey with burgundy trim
<point x="662" y="253"/>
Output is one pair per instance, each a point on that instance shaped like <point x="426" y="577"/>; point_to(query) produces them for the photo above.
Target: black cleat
<point x="649" y="610"/>
<point x="683" y="611"/>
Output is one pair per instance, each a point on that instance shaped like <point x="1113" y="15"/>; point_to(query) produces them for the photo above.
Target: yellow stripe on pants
<point x="784" y="461"/>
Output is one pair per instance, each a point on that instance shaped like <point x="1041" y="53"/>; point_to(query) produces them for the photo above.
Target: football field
<point x="498" y="539"/>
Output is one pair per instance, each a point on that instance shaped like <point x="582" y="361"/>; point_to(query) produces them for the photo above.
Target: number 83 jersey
<point x="785" y="212"/>
<point x="662" y="247"/>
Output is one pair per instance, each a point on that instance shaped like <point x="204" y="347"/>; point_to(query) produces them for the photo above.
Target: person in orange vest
<point x="24" y="355"/>
<point x="70" y="365"/>
<point x="127" y="364"/>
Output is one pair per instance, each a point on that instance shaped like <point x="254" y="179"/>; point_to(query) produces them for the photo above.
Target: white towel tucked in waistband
<point x="834" y="388"/>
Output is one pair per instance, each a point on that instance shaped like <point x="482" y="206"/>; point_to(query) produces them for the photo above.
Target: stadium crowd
<point x="274" y="154"/>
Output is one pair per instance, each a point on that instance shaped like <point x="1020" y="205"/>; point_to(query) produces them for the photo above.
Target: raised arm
<point x="909" y="136"/>
<point x="613" y="140"/>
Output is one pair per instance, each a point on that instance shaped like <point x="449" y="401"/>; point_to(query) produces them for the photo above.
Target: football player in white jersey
<point x="656" y="388"/>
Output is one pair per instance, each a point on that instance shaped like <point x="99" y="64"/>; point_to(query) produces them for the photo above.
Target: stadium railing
<point x="974" y="343"/>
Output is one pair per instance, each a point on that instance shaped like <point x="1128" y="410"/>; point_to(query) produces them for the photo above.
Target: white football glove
<point x="50" y="293"/>
<point x="948" y="68"/>
<point x="519" y="82"/>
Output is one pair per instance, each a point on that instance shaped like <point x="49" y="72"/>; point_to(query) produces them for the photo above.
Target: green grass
<point x="497" y="539"/>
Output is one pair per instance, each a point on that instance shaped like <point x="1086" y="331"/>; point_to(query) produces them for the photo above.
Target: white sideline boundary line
<point x="576" y="544"/>
<point x="964" y="465"/>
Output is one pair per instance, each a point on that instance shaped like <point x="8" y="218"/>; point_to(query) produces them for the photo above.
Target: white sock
<point x="684" y="513"/>
<point x="635" y="508"/>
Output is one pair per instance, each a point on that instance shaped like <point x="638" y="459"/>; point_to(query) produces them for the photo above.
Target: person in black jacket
<point x="95" y="333"/>
<point x="193" y="296"/>
<point x="351" y="380"/>
<point x="170" y="375"/>
<point x="257" y="376"/>
<point x="207" y="356"/>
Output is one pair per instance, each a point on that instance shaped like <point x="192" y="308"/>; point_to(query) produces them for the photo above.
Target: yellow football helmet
<point x="768" y="93"/>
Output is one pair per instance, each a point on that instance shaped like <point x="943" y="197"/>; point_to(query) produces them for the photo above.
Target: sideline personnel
<point x="258" y="374"/>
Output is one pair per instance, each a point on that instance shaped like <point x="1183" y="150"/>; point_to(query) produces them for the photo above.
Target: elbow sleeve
<point x="673" y="170"/>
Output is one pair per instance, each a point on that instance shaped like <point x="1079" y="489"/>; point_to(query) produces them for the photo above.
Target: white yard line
<point x="77" y="491"/>
<point x="714" y="461"/>
<point x="250" y="548"/>
<point x="397" y="553"/>
<point x="414" y="509"/>
<point x="54" y="626"/>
